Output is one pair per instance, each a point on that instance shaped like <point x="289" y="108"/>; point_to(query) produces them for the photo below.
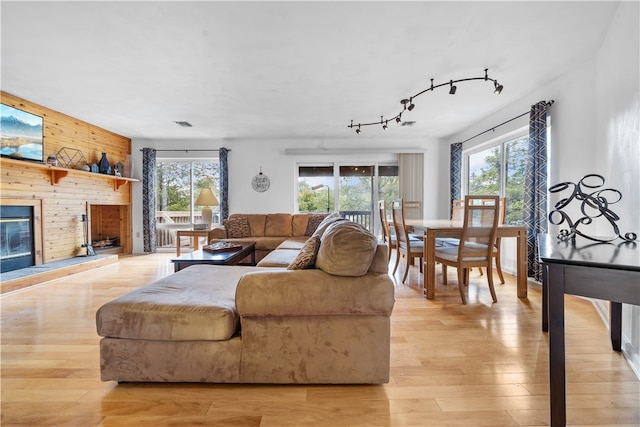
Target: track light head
<point x="411" y="107"/>
<point x="499" y="88"/>
<point x="399" y="118"/>
<point x="453" y="89"/>
<point x="358" y="130"/>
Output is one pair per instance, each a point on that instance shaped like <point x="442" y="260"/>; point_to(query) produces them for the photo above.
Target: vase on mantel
<point x="103" y="165"/>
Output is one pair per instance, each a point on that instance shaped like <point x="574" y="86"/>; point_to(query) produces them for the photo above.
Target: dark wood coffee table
<point x="220" y="258"/>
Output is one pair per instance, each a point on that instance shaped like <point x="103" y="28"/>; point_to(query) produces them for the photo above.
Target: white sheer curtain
<point x="411" y="182"/>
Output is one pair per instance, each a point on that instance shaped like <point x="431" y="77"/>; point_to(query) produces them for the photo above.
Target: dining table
<point x="437" y="228"/>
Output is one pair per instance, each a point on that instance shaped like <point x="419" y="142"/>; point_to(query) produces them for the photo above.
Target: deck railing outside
<point x="169" y="222"/>
<point x="361" y="217"/>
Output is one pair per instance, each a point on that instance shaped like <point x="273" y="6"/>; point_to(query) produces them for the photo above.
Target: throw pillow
<point x="347" y="249"/>
<point x="307" y="256"/>
<point x="237" y="227"/>
<point x="314" y="222"/>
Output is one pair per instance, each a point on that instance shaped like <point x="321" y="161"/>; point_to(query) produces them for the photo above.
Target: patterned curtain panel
<point x="535" y="196"/>
<point x="224" y="184"/>
<point x="149" y="199"/>
<point x="455" y="179"/>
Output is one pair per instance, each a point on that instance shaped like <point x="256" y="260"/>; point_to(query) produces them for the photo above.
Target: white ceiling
<point x="292" y="70"/>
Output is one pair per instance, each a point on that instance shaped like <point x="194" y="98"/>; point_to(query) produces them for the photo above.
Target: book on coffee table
<point x="221" y="247"/>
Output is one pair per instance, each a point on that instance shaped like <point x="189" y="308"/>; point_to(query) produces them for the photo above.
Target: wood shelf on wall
<point x="57" y="173"/>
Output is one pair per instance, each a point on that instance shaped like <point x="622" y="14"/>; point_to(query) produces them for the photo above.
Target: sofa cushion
<point x="346" y="249"/>
<point x="295" y="242"/>
<point x="306" y="257"/>
<point x="299" y="223"/>
<point x="256" y="223"/>
<point x="197" y="303"/>
<point x="330" y="219"/>
<point x="268" y="243"/>
<point x="278" y="225"/>
<point x="380" y="263"/>
<point x="314" y="222"/>
<point x="237" y="227"/>
<point x="279" y="258"/>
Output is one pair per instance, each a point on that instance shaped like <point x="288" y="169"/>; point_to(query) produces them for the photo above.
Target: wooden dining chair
<point x="496" y="252"/>
<point x="388" y="238"/>
<point x="476" y="245"/>
<point x="457" y="214"/>
<point x="407" y="247"/>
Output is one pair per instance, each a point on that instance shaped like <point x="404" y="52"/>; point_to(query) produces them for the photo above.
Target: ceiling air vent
<point x="408" y="123"/>
<point x="184" y="124"/>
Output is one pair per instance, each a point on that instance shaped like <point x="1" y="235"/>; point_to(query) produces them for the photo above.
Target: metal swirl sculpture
<point x="594" y="205"/>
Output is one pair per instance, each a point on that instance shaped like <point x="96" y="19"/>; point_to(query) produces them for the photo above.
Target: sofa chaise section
<point x="236" y="324"/>
<point x="181" y="328"/>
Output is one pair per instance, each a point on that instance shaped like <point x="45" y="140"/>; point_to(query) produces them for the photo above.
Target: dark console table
<point x="606" y="271"/>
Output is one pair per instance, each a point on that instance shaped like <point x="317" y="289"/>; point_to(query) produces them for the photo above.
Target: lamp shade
<point x="206" y="198"/>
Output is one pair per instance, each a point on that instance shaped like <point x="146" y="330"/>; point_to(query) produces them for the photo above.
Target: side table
<point x="195" y="234"/>
<point x="606" y="271"/>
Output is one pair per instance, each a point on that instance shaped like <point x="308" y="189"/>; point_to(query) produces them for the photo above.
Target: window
<point x="352" y="190"/>
<point x="500" y="169"/>
<point x="315" y="187"/>
<point x="179" y="183"/>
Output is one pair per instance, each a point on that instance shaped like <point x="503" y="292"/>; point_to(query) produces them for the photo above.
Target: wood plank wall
<point x="64" y="203"/>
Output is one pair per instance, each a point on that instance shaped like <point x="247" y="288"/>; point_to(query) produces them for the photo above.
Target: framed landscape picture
<point x="22" y="134"/>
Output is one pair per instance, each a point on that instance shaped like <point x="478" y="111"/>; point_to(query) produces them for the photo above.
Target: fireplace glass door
<point x="16" y="238"/>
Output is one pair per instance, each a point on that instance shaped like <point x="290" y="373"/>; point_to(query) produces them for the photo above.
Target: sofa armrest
<point x="313" y="293"/>
<point x="217" y="233"/>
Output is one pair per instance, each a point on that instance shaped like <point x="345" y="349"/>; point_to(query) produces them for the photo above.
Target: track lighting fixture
<point x="407" y="103"/>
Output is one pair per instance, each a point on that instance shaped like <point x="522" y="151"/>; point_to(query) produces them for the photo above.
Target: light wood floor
<point x="451" y="365"/>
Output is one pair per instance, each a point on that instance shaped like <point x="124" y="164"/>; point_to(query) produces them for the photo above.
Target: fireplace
<point x="16" y="238"/>
<point x="109" y="227"/>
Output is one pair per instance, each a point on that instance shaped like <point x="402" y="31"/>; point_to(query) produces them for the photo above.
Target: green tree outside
<point x="486" y="179"/>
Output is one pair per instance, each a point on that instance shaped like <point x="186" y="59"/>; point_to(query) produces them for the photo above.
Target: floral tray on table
<point x="221" y="247"/>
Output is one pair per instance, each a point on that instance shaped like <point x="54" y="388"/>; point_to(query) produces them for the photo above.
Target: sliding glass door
<point x="179" y="183"/>
<point x="351" y="190"/>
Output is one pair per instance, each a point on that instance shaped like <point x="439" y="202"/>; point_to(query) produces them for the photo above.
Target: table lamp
<point x="207" y="199"/>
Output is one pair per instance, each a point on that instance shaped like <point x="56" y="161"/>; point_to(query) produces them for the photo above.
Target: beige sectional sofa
<point x="268" y="230"/>
<point x="237" y="324"/>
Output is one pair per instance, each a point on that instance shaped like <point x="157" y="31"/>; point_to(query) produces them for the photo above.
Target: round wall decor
<point x="260" y="182"/>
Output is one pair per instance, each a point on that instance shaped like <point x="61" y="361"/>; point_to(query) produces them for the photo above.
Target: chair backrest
<point x="457" y="210"/>
<point x="402" y="236"/>
<point x="412" y="209"/>
<point x="481" y="215"/>
<point x="501" y="207"/>
<point x="384" y="223"/>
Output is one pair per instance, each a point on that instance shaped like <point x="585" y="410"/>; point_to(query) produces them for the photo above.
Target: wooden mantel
<point x="57" y="173"/>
